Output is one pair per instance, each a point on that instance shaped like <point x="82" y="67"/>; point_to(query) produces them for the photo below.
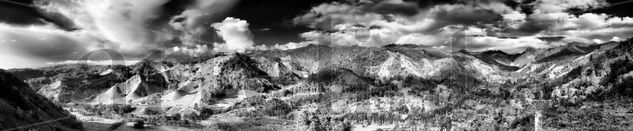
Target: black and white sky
<point x="36" y="32"/>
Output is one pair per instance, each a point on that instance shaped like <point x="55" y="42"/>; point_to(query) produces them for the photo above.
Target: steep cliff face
<point x="52" y="91"/>
<point x="127" y="92"/>
<point x="23" y="109"/>
<point x="281" y="70"/>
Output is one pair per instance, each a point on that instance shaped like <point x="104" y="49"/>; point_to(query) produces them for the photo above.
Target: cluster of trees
<point x="166" y="120"/>
<point x="309" y="99"/>
<point x="228" y="85"/>
<point x="309" y="88"/>
<point x="204" y="114"/>
<point x="244" y="63"/>
<point x="240" y="72"/>
<point x="373" y="118"/>
<point x="250" y="101"/>
<point x="149" y="111"/>
<point x="276" y="107"/>
<point x="108" y="110"/>
<point x="386" y="91"/>
<point x="226" y="126"/>
<point x="320" y="120"/>
<point x="578" y="90"/>
<point x="264" y="106"/>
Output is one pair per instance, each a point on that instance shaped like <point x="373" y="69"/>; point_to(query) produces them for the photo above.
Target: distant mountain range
<point x="567" y="74"/>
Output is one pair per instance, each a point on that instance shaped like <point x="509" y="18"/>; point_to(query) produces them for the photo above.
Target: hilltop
<point x="390" y="87"/>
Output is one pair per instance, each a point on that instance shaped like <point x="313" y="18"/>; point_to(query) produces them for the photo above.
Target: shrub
<point x="139" y="124"/>
<point x="402" y="109"/>
<point x="226" y="127"/>
<point x="251" y="101"/>
<point x="148" y="111"/>
<point x="276" y="107"/>
<point x="578" y="90"/>
<point x="623" y="85"/>
<point x="320" y="120"/>
<point x="106" y="110"/>
<point x="116" y="125"/>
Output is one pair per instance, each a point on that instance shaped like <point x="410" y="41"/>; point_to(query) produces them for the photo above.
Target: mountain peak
<point x="401" y="45"/>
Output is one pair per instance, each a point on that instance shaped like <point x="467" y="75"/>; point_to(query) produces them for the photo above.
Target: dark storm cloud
<point x="20" y="12"/>
<point x="194" y="21"/>
<point x="22" y="15"/>
<point x="171" y="9"/>
<point x="534" y="24"/>
<point x="464" y="15"/>
<point x="274" y="15"/>
<point x="622" y="9"/>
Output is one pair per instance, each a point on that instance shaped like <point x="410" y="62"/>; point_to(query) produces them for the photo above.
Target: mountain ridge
<point x="21" y="107"/>
<point x="426" y="80"/>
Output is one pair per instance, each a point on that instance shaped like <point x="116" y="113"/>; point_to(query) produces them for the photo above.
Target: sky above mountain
<point x="33" y="33"/>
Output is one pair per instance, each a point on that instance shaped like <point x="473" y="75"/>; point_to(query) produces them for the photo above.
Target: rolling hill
<point x="404" y="87"/>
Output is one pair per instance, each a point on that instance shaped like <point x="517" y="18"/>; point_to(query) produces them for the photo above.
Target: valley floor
<point x="484" y="109"/>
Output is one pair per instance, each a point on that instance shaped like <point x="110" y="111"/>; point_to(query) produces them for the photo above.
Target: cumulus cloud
<point x="326" y="16"/>
<point x="291" y="45"/>
<point x="192" y="51"/>
<point x="113" y="24"/>
<point x="503" y="44"/>
<point x="588" y="26"/>
<point x="475" y="39"/>
<point x="602" y="34"/>
<point x="421" y="39"/>
<point x="236" y="35"/>
<point x="287" y="46"/>
<point x="139" y="26"/>
<point x="547" y="6"/>
<point x="134" y="28"/>
<point x="499" y="27"/>
<point x="195" y="20"/>
<point x="122" y="22"/>
<point x="345" y="24"/>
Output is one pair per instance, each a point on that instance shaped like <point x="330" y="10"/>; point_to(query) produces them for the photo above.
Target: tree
<point x="139" y="124"/>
